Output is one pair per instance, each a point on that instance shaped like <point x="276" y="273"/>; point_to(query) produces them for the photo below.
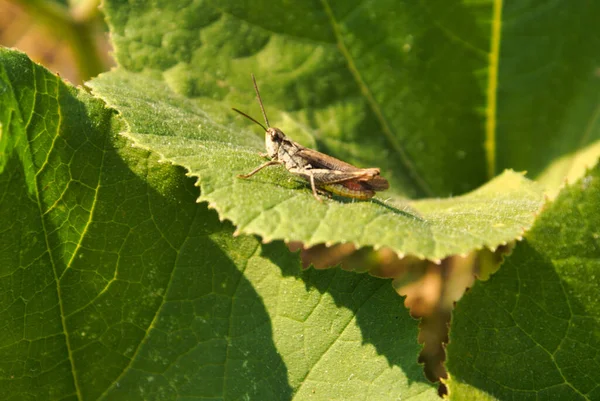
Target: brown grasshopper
<point x="325" y="173"/>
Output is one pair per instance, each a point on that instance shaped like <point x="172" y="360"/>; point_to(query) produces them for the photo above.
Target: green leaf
<point x="548" y="89"/>
<point x="117" y="285"/>
<point x="382" y="82"/>
<point x="443" y="95"/>
<point x="533" y="330"/>
<point x="276" y="206"/>
<point x="183" y="68"/>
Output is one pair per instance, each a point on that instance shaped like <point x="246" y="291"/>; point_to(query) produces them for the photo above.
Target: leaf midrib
<point x="46" y="234"/>
<point x="492" y="89"/>
<point x="375" y="107"/>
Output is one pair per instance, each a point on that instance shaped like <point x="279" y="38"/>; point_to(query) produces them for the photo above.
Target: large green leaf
<point x="382" y="81"/>
<point x="115" y="284"/>
<point x="533" y="330"/>
<point x="548" y="89"/>
<point x="441" y="94"/>
<point x="177" y="105"/>
<point x="277" y="207"/>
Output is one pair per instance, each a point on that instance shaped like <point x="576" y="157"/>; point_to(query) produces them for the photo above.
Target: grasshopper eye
<point x="275" y="133"/>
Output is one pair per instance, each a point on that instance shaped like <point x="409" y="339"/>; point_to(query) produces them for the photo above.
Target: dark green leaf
<point x="548" y="86"/>
<point x="532" y="331"/>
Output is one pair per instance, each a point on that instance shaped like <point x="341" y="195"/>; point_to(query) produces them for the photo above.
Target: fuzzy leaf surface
<point x="275" y="205"/>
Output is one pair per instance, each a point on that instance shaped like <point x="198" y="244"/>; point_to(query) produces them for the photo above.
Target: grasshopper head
<point x="273" y="139"/>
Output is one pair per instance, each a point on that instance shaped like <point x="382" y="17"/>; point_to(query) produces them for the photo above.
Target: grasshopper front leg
<point x="256" y="170"/>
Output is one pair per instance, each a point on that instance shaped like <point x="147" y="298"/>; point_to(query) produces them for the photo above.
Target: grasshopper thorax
<point x="273" y="139"/>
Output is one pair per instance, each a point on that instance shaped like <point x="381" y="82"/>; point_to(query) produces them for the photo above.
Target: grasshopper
<point x="326" y="174"/>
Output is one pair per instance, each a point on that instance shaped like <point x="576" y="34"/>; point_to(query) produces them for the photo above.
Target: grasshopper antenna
<point x="260" y="101"/>
<point x="261" y="107"/>
<point x="249" y="118"/>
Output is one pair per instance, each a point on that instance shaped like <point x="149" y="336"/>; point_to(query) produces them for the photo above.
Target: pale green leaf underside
<point x="569" y="168"/>
<point x="276" y="205"/>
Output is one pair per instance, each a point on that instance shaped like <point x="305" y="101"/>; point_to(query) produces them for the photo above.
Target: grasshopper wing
<point x="338" y="177"/>
<point x="342" y="171"/>
<point x="377" y="183"/>
<point x="321" y="160"/>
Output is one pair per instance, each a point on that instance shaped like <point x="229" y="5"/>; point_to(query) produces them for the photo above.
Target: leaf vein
<point x="375" y="107"/>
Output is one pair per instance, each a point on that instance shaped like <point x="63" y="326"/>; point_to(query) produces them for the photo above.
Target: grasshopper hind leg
<point x="309" y="175"/>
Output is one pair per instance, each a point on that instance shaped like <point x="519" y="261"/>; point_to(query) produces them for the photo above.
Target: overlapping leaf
<point x="276" y="206"/>
<point x="105" y="240"/>
<point x="116" y="285"/>
<point x="533" y="330"/>
<point x="381" y="82"/>
<point x="183" y="68"/>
